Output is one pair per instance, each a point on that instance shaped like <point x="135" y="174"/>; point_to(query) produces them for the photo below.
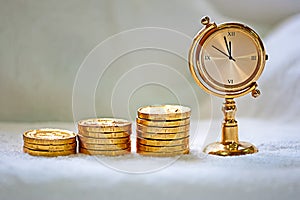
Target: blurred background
<point x="43" y="43"/>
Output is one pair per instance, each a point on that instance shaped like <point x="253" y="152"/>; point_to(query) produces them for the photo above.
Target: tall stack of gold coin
<point x="104" y="136"/>
<point x="163" y="130"/>
<point x="49" y="142"/>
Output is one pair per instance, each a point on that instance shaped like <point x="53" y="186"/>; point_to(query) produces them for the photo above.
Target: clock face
<point x="229" y="58"/>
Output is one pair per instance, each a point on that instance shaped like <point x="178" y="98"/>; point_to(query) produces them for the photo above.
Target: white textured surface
<point x="273" y="173"/>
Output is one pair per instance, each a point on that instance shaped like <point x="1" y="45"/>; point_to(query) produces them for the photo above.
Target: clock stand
<point x="230" y="144"/>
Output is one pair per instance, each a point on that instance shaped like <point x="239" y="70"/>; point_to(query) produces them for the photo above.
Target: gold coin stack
<point x="163" y="130"/>
<point x="104" y="136"/>
<point x="49" y="142"/>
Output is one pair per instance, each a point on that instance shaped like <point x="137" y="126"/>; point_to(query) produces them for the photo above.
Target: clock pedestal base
<point x="230" y="149"/>
<point x="230" y="144"/>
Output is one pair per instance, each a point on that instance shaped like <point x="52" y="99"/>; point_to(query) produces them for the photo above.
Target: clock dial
<point x="229" y="58"/>
<point x="226" y="60"/>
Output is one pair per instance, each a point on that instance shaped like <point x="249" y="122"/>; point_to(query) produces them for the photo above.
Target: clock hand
<point x="230" y="56"/>
<point x="221" y="51"/>
<point x="229" y="49"/>
<point x="227" y="46"/>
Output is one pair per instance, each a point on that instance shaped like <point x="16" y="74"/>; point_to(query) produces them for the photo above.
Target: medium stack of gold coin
<point x="163" y="130"/>
<point x="49" y="142"/>
<point x="104" y="136"/>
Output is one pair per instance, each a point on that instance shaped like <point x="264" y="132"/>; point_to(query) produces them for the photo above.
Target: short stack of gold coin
<point x="104" y="136"/>
<point x="163" y="130"/>
<point x="49" y="142"/>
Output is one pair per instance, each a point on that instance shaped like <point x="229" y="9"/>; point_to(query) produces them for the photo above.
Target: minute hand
<point x="228" y="48"/>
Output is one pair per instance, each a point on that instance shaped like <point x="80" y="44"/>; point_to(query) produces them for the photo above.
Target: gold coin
<point x="49" y="136"/>
<point x="163" y="123"/>
<point x="162" y="136"/>
<point x="105" y="153"/>
<point x="164" y="112"/>
<point x="49" y="153"/>
<point x="104" y="147"/>
<point x="104" y="125"/>
<point x="101" y="130"/>
<point x="103" y="141"/>
<point x="162" y="149"/>
<point x="158" y="130"/>
<point x="164" y="154"/>
<point x="105" y="134"/>
<point x="39" y="147"/>
<point x="149" y="142"/>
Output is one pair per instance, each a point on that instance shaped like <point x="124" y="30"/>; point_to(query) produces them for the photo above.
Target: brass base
<point x="230" y="149"/>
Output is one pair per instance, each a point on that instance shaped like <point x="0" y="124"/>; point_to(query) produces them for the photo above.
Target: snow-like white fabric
<point x="272" y="173"/>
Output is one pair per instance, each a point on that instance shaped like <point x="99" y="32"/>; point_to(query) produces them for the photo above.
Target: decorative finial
<point x="255" y="93"/>
<point x="205" y="20"/>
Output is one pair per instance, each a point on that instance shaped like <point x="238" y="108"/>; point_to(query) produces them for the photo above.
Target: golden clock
<point x="226" y="60"/>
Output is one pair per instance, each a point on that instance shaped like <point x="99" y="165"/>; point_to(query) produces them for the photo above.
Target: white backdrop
<point x="43" y="43"/>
